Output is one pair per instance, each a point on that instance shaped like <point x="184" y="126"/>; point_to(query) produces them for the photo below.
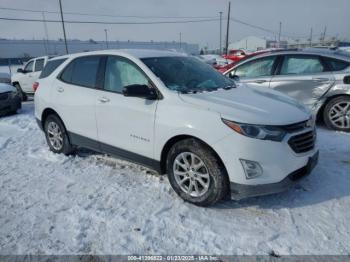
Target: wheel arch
<point x="319" y="116"/>
<point x="49" y="111"/>
<point x="167" y="146"/>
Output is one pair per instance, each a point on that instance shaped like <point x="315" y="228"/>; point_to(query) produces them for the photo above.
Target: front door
<point x="26" y="81"/>
<point x="125" y="124"/>
<point x="257" y="72"/>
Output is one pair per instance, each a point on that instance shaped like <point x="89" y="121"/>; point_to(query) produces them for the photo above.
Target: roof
<point x="339" y="54"/>
<point x="138" y="53"/>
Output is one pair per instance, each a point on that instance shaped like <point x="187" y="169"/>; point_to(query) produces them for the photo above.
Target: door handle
<point x="103" y="99"/>
<point x="320" y="79"/>
<point x="60" y="89"/>
<point x="260" y="81"/>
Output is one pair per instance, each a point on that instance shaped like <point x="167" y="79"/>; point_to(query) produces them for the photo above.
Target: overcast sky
<point x="297" y="17"/>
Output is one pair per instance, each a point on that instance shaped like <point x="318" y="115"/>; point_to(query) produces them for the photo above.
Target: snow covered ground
<point x="88" y="203"/>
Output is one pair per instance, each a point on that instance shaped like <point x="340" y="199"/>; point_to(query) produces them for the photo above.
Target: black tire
<point x="22" y="95"/>
<point x="66" y="147"/>
<point x="219" y="184"/>
<point x="328" y="110"/>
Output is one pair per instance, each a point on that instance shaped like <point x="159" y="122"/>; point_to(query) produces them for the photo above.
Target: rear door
<point x="257" y="72"/>
<point x="303" y="77"/>
<point x="74" y="97"/>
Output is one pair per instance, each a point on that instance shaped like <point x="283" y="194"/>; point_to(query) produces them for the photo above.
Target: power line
<point x="107" y="23"/>
<point x="266" y="29"/>
<point x="105" y="15"/>
<point x="200" y="19"/>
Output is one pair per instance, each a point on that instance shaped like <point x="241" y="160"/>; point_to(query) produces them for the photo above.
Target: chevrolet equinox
<point x="177" y="115"/>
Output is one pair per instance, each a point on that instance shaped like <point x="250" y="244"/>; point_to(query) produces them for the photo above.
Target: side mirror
<point x="141" y="91"/>
<point x="234" y="77"/>
<point x="20" y="70"/>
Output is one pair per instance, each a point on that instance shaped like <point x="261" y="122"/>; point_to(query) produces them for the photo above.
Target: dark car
<point x="10" y="101"/>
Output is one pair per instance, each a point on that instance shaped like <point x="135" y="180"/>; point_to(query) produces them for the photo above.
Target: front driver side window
<point x="120" y="73"/>
<point x="29" y="66"/>
<point x="256" y="68"/>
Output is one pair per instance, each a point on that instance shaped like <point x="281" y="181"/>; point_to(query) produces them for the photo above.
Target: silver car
<point x="318" y="78"/>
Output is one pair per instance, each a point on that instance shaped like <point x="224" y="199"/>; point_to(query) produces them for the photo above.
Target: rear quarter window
<point x="336" y="64"/>
<point x="50" y="67"/>
<point x="82" y="71"/>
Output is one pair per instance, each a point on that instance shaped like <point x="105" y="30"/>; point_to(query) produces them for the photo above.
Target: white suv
<point x="179" y="116"/>
<point x="24" y="79"/>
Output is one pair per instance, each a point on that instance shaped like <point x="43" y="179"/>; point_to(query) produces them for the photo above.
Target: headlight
<point x="272" y="133"/>
<point x="14" y="93"/>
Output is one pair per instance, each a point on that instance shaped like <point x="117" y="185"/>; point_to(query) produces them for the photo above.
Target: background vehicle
<point x="318" y="78"/>
<point x="10" y="65"/>
<point x="148" y="107"/>
<point x="216" y="61"/>
<point x="10" y="101"/>
<point x="5" y="78"/>
<point x="235" y="55"/>
<point x="24" y="79"/>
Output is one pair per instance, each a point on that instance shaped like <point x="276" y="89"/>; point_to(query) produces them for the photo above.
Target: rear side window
<point x="50" y="67"/>
<point x="82" y="71"/>
<point x="335" y="64"/>
<point x="301" y="65"/>
<point x="39" y="64"/>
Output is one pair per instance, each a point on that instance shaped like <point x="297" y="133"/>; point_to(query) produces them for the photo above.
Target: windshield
<point x="187" y="74"/>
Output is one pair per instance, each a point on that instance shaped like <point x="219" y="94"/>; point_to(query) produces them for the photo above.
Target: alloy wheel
<point x="55" y="135"/>
<point x="191" y="174"/>
<point x="339" y="115"/>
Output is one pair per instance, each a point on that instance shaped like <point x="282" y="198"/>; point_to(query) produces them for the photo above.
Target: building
<point x="250" y="43"/>
<point x="34" y="48"/>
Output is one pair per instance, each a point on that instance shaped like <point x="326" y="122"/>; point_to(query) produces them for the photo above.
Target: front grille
<point x="295" y="127"/>
<point x="303" y="143"/>
<point x="4" y="96"/>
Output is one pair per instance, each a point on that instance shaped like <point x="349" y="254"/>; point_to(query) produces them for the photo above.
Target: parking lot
<point x="90" y="203"/>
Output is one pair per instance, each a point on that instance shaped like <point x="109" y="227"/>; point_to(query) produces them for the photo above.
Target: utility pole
<point x="220" y="46"/>
<point x="228" y="27"/>
<point x="311" y="37"/>
<point x="279" y="35"/>
<point x="64" y="30"/>
<point x="106" y="38"/>
<point x="180" y="40"/>
<point x="324" y="34"/>
<point x="46" y="34"/>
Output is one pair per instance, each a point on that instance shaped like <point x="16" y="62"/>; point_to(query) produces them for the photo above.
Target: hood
<point x="6" y="88"/>
<point x="251" y="105"/>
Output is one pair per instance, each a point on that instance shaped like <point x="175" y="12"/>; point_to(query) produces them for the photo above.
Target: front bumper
<point x="10" y="105"/>
<point x="240" y="191"/>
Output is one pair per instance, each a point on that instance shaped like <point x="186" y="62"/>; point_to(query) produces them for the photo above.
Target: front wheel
<point x="196" y="174"/>
<point x="21" y="94"/>
<point x="337" y="114"/>
<point x="56" y="135"/>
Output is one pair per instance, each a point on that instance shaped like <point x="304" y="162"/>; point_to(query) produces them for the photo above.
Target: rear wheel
<point x="56" y="135"/>
<point x="195" y="173"/>
<point x="21" y="94"/>
<point x="337" y="114"/>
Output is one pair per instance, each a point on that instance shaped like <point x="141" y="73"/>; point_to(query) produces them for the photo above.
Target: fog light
<point x="252" y="169"/>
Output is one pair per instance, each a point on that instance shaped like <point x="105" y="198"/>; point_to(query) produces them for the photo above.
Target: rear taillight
<point x="35" y="86"/>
